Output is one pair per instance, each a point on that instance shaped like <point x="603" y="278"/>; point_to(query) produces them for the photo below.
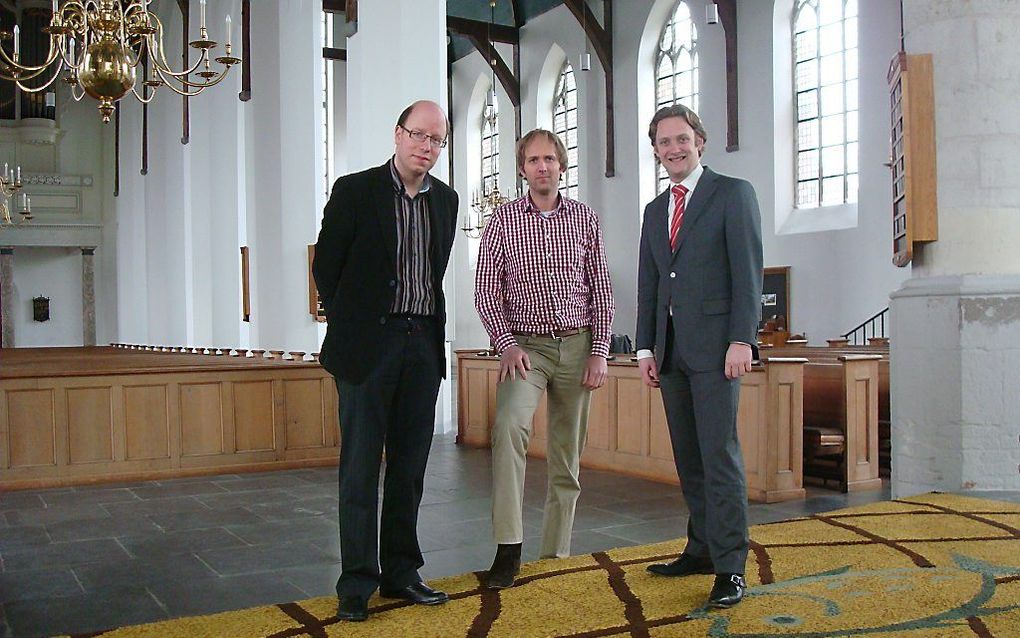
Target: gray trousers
<point x="557" y="366"/>
<point x="701" y="411"/>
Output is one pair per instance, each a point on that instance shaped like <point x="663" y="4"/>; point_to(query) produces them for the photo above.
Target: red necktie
<point x="679" y="197"/>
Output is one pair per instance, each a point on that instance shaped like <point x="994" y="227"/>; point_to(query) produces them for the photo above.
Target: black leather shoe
<point x="505" y="567"/>
<point x="418" y="593"/>
<point x="684" y="565"/>
<point x="352" y="608"/>
<point x="727" y="591"/>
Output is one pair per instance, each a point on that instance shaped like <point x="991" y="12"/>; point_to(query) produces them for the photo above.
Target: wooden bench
<point x="822" y="354"/>
<point x="627" y="431"/>
<point x="841" y="421"/>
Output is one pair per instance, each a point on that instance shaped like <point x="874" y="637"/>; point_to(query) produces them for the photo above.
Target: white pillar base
<point x="955" y="384"/>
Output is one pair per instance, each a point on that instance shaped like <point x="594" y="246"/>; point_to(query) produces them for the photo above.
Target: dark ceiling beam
<point x="483" y="30"/>
<point x="245" y="93"/>
<point x="334" y="6"/>
<point x="518" y="13"/>
<point x="492" y="57"/>
<point x="601" y="38"/>
<point x="728" y="17"/>
<point x="185" y="7"/>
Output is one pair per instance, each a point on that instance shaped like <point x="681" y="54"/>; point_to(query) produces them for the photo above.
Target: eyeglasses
<point x="421" y="136"/>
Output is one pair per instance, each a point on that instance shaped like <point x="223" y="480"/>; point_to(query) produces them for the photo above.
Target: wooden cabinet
<point x="912" y="157"/>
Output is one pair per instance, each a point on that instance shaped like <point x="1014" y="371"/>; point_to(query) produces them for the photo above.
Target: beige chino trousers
<point x="557" y="366"/>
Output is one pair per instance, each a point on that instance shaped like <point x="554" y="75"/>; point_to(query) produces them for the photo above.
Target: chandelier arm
<point x="183" y="90"/>
<point x="77" y="98"/>
<point x="35" y="70"/>
<point x="160" y="60"/>
<point x="140" y="98"/>
<point x="39" y="89"/>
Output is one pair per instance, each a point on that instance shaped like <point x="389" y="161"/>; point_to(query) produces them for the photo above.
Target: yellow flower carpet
<point x="927" y="566"/>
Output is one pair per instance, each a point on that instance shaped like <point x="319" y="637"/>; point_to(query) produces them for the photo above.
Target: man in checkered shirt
<point x="543" y="293"/>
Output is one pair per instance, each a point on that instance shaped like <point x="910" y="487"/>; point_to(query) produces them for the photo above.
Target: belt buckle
<point x="552" y="333"/>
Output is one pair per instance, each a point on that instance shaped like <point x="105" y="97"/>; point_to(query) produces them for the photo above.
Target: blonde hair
<point x="522" y="145"/>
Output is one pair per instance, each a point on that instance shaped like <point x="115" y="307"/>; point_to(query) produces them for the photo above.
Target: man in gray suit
<point x="699" y="301"/>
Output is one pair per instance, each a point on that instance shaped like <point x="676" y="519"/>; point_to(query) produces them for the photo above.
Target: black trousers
<point x="701" y="412"/>
<point x="393" y="408"/>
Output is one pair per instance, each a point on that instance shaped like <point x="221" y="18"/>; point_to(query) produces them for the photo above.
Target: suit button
<point x="382" y="320"/>
<point x="393" y="283"/>
<point x="672" y="275"/>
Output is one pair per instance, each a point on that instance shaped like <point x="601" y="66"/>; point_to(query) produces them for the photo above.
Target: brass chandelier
<point x="102" y="43"/>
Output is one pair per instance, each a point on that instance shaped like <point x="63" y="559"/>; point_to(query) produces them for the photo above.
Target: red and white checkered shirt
<point x="538" y="274"/>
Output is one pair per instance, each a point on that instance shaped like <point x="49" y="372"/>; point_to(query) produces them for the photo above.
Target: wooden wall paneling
<point x="253" y="416"/>
<point x="479" y="416"/>
<point x="304" y="418"/>
<point x="60" y="442"/>
<point x="31" y="428"/>
<point x="633" y="420"/>
<point x="279" y="419"/>
<point x="228" y="417"/>
<point x="89" y="424"/>
<point x="633" y="438"/>
<point x="751" y="431"/>
<point x="861" y="387"/>
<point x="785" y="427"/>
<point x="5" y="442"/>
<point x="175" y="437"/>
<point x="201" y="420"/>
<point x="147" y="422"/>
<point x="119" y="425"/>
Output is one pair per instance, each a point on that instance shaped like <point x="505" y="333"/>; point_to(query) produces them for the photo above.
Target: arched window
<point x="825" y="100"/>
<point x="328" y="117"/>
<point x="490" y="146"/>
<point x="676" y="70"/>
<point x="565" y="125"/>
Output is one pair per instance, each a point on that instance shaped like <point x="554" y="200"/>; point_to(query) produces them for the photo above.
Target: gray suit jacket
<point x="712" y="281"/>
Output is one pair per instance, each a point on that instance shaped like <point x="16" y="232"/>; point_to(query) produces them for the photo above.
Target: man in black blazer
<point x="379" y="264"/>
<point x="699" y="302"/>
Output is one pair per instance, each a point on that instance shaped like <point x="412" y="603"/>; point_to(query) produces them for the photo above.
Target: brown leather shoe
<point x="684" y="565"/>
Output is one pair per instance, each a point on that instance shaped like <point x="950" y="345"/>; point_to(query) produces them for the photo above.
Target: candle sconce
<point x="10" y="185"/>
<point x="41" y="308"/>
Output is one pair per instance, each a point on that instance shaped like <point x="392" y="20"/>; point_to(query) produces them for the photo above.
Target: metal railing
<point x="875" y="325"/>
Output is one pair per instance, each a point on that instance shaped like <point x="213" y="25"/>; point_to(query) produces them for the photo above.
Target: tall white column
<point x="398" y="56"/>
<point x="956" y="323"/>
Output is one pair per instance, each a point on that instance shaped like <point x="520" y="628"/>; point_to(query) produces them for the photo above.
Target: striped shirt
<point x="414" y="294"/>
<point x="538" y="274"/>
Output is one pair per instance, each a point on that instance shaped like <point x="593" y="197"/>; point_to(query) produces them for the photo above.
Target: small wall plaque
<point x="41" y="308"/>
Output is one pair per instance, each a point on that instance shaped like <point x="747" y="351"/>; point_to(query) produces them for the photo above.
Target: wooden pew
<point x="820" y="354"/>
<point x="841" y="421"/>
<point x="627" y="431"/>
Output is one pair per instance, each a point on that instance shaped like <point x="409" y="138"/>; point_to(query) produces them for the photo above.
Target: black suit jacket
<point x="712" y="281"/>
<point x="355" y="266"/>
